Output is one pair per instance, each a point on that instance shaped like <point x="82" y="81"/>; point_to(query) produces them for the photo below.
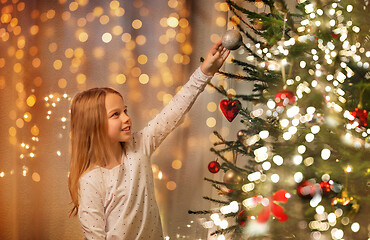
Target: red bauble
<point x="306" y="189"/>
<point x="325" y="188"/>
<point x="284" y="98"/>
<point x="334" y="35"/>
<point x="214" y="167"/>
<point x="360" y="117"/>
<point x="230" y="108"/>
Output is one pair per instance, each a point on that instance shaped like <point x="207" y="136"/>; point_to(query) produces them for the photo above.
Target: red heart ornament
<point x="230" y="108"/>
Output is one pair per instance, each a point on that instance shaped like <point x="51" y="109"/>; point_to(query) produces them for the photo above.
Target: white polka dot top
<point x="119" y="203"/>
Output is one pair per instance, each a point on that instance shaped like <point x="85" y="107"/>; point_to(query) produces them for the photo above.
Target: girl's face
<point x="119" y="123"/>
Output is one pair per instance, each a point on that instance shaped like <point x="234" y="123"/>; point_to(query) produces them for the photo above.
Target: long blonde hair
<point x="89" y="137"/>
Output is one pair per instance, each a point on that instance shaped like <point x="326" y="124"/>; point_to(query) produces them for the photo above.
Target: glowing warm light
<point x="264" y="134"/>
<point x="309" y="137"/>
<point x="106" y="37"/>
<point x="301" y="149"/>
<point x="275" y="178"/>
<point x="171" y="185"/>
<point x="143" y="78"/>
<point x="325" y="154"/>
<point x="172" y="22"/>
<point x="36" y="177"/>
<point x="298" y="177"/>
<point x="348" y="169"/>
<point x="278" y="160"/>
<point x="176" y="164"/>
<point x="136" y="24"/>
<point x="31" y="100"/>
<point x="355" y="227"/>
<point x="211" y="122"/>
<point x="266" y="165"/>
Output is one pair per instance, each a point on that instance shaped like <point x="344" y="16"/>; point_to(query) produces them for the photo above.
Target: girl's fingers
<point x="225" y="55"/>
<point x="223" y="51"/>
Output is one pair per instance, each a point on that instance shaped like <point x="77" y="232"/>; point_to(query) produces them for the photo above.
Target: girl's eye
<point x="125" y="111"/>
<point x="115" y="114"/>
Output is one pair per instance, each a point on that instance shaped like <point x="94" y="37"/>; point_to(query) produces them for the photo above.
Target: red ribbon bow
<point x="277" y="210"/>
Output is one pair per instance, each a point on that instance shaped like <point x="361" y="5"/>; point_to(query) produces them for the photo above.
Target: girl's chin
<point x="126" y="139"/>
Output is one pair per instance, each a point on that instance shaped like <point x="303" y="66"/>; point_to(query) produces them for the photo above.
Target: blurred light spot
<point x="68" y="53"/>
<point x="120" y="78"/>
<point x="19" y="123"/>
<point x="19" y="54"/>
<point x="83" y="36"/>
<point x="114" y="4"/>
<point x="37" y="81"/>
<point x="141" y="40"/>
<point x="66" y="16"/>
<point x="62" y="83"/>
<point x="171" y="185"/>
<point x="130" y="45"/>
<point x="184" y="23"/>
<point x="211" y="122"/>
<point x="81" y="78"/>
<point x="136" y="24"/>
<point x="57" y="64"/>
<point x="31" y="100"/>
<point x="12" y="131"/>
<point x="172" y="22"/>
<point x="36" y="62"/>
<point x="104" y="19"/>
<point x="178" y="58"/>
<point x="142" y="59"/>
<point x="50" y="14"/>
<point x="211" y="106"/>
<point x="98" y="52"/>
<point x="27" y="116"/>
<point x="36" y="177"/>
<point x="78" y="52"/>
<point x="173" y="3"/>
<point x="162" y="57"/>
<point x="176" y="164"/>
<point x="106" y="37"/>
<point x="17" y="68"/>
<point x="144" y="79"/>
<point x="81" y="22"/>
<point x="136" y="71"/>
<point x="35" y="130"/>
<point x="126" y="37"/>
<point x="2" y="62"/>
<point x="73" y="6"/>
<point x="187" y="48"/>
<point x="117" y="30"/>
<point x="98" y="11"/>
<point x="155" y="168"/>
<point x="220" y="21"/>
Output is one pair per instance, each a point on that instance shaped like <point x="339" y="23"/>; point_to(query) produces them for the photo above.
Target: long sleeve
<point x="91" y="208"/>
<point x="158" y="128"/>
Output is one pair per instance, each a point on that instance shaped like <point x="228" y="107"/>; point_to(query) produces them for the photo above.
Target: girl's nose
<point x="125" y="118"/>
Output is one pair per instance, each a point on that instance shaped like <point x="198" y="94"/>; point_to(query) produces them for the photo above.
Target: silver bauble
<point x="232" y="39"/>
<point x="232" y="179"/>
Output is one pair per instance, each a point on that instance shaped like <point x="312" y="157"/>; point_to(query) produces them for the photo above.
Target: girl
<point x="110" y="180"/>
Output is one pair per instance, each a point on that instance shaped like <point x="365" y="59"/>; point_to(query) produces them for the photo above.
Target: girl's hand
<point x="215" y="58"/>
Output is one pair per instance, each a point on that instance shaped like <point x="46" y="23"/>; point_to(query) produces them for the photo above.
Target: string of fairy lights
<point x="23" y="60"/>
<point x="292" y="116"/>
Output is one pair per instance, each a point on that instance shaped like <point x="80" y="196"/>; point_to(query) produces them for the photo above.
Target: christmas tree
<point x="298" y="169"/>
